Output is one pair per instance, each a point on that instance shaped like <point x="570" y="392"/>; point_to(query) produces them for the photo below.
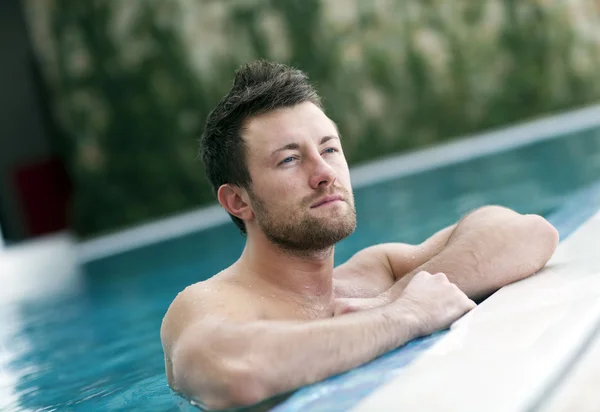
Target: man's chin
<point x="335" y="235"/>
<point x="309" y="242"/>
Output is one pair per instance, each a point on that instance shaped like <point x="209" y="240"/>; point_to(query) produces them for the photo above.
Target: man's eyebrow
<point x="296" y="146"/>
<point x="289" y="146"/>
<point x="328" y="138"/>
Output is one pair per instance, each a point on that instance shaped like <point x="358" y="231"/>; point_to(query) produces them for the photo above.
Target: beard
<point x="302" y="233"/>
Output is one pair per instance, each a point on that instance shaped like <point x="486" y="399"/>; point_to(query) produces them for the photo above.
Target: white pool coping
<point x="458" y="150"/>
<point x="580" y="390"/>
<point x="511" y="351"/>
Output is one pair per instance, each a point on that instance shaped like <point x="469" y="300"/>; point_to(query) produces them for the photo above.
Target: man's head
<point x="272" y="155"/>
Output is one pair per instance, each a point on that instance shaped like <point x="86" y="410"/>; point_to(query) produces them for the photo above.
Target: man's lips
<point x="327" y="199"/>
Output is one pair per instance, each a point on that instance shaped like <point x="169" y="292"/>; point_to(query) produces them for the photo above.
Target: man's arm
<point x="369" y="271"/>
<point x="488" y="249"/>
<point x="225" y="362"/>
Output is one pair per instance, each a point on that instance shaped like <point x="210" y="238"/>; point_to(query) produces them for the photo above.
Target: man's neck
<point x="306" y="276"/>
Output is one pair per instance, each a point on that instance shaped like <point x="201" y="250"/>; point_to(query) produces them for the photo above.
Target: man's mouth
<point x="326" y="200"/>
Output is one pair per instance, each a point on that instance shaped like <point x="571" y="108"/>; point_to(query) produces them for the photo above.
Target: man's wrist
<point x="403" y="314"/>
<point x="394" y="292"/>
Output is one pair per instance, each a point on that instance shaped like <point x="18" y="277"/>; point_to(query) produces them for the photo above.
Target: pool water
<point x="97" y="346"/>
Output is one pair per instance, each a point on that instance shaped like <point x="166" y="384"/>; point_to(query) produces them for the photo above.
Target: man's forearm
<point x="268" y="358"/>
<point x="336" y="345"/>
<point x="488" y="249"/>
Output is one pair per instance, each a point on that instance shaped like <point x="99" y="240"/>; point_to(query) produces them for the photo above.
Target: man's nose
<point x="322" y="174"/>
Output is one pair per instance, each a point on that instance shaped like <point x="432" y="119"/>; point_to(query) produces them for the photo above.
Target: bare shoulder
<point x="213" y="298"/>
<point x="198" y="320"/>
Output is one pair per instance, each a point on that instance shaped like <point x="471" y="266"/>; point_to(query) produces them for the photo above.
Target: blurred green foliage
<point x="132" y="82"/>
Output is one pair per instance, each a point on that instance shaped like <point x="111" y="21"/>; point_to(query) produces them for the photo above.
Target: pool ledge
<point x="507" y="354"/>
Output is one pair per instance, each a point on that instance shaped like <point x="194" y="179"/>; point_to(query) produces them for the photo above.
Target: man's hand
<point x="432" y="298"/>
<point x="435" y="301"/>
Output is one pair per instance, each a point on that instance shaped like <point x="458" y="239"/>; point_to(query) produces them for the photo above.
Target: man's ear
<point x="235" y="201"/>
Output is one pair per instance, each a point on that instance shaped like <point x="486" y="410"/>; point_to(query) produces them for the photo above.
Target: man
<point x="282" y="316"/>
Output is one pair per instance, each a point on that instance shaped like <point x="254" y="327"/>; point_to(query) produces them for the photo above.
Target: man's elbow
<point x="225" y="384"/>
<point x="545" y="237"/>
<point x="244" y="386"/>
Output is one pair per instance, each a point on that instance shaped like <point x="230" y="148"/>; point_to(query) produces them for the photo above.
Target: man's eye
<point x="331" y="150"/>
<point x="288" y="160"/>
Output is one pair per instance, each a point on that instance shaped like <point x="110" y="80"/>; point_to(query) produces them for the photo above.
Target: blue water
<point x="98" y="347"/>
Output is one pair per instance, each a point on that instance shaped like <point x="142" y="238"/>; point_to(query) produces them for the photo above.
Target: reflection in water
<point x="24" y="273"/>
<point x="12" y="347"/>
<point x="263" y="406"/>
<point x="98" y="347"/>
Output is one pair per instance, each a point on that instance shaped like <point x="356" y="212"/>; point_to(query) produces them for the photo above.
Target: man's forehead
<point x="287" y="126"/>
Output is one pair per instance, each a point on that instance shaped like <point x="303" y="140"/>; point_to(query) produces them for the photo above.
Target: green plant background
<point x="131" y="82"/>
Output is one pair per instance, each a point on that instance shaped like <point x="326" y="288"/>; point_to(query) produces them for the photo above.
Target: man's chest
<point x="280" y="308"/>
<point x="356" y="283"/>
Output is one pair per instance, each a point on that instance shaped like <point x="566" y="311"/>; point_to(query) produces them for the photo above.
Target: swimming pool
<point x="97" y="346"/>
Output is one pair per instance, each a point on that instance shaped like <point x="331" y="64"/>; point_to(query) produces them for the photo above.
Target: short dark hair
<point x="258" y="87"/>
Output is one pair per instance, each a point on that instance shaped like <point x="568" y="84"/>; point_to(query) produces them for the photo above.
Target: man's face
<point x="300" y="193"/>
